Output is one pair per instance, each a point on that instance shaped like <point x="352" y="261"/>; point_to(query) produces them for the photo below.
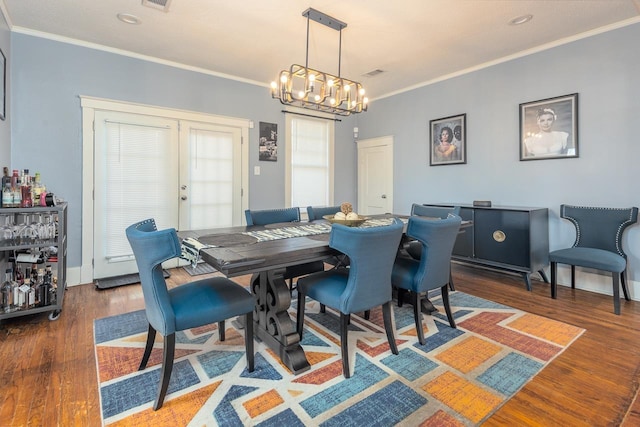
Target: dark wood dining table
<point x="264" y="252"/>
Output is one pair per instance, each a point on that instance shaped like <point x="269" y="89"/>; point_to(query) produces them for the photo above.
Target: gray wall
<point x="47" y="125"/>
<point x="602" y="69"/>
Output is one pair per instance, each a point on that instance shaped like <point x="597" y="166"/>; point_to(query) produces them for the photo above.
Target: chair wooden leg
<point x="222" y="330"/>
<point x="151" y="337"/>
<point x="447" y="306"/>
<point x="323" y="308"/>
<point x="401" y="294"/>
<point x="344" y="343"/>
<point x="616" y="292"/>
<point x="573" y="277"/>
<point x="167" y="367"/>
<point x="417" y="314"/>
<point x="451" y="280"/>
<point x="300" y="314"/>
<point x="367" y="314"/>
<point x="554" y="283"/>
<point x="248" y="340"/>
<point x="623" y="282"/>
<point x="388" y="327"/>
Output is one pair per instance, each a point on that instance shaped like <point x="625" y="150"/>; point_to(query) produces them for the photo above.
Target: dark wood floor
<point x="48" y="373"/>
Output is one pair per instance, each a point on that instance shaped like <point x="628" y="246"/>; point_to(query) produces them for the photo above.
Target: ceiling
<point x="413" y="42"/>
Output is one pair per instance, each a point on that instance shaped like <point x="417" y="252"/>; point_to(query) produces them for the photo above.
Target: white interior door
<point x="136" y="177"/>
<point x="375" y="176"/>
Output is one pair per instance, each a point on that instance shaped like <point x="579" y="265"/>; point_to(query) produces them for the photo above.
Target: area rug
<point x="458" y="378"/>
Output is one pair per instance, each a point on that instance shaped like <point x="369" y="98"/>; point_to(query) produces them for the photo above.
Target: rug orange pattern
<point x="458" y="378"/>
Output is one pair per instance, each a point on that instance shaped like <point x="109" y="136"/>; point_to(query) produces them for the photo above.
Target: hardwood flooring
<point x="48" y="373"/>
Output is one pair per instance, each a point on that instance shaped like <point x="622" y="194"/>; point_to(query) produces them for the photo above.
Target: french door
<point x="185" y="174"/>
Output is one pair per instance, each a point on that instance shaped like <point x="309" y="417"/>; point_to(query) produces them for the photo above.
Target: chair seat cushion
<point x="414" y="249"/>
<point x="404" y="273"/>
<point x="590" y="257"/>
<point x="326" y="287"/>
<point x="207" y="301"/>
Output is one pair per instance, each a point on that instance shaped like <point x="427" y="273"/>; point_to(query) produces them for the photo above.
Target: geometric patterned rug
<point x="458" y="378"/>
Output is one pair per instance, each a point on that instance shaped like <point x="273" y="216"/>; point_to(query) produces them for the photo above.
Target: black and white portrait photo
<point x="549" y="128"/>
<point x="268" y="142"/>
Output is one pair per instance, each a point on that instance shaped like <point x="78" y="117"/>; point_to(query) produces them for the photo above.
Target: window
<point x="309" y="147"/>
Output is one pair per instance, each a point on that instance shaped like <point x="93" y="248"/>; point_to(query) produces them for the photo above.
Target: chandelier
<point x="305" y="87"/>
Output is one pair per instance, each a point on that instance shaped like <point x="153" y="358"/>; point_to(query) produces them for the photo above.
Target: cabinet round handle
<point x="499" y="236"/>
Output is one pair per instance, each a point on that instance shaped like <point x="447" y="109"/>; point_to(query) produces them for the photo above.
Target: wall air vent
<point x="373" y="73"/>
<point x="162" y="5"/>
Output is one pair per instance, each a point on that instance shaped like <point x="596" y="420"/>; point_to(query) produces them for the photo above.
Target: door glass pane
<point x="211" y="179"/>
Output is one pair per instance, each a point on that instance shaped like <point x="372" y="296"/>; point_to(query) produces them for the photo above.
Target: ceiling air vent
<point x="162" y="5"/>
<point x="373" y="73"/>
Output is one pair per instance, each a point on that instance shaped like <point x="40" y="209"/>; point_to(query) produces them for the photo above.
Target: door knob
<point x="384" y="196"/>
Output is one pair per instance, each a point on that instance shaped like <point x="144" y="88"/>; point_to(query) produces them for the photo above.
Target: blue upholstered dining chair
<point x="437" y="237"/>
<point x="364" y="285"/>
<point x="598" y="245"/>
<point x="318" y="212"/>
<point x="193" y="304"/>
<point x="414" y="249"/>
<point x="273" y="216"/>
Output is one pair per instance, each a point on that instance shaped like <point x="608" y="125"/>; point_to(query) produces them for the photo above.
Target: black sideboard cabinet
<point x="509" y="238"/>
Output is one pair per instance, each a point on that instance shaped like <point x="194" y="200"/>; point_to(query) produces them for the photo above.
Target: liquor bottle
<point x="27" y="198"/>
<point x="7" y="291"/>
<point x="7" y="195"/>
<point x="45" y="288"/>
<point x="38" y="188"/>
<point x="16" y="183"/>
<point x="6" y="179"/>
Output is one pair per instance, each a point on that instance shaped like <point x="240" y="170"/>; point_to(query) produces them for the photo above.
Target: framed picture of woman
<point x="549" y="128"/>
<point x="448" y="141"/>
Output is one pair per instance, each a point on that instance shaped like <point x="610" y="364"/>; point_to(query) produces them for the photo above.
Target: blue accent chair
<point x="362" y="286"/>
<point x="432" y="271"/>
<point x="414" y="249"/>
<point x="273" y="216"/>
<point x="598" y="245"/>
<point x="186" y="306"/>
<point x="318" y="212"/>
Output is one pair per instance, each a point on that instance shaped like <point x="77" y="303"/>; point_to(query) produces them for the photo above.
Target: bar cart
<point x="33" y="256"/>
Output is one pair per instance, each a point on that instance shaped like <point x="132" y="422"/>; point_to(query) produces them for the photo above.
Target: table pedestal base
<point x="272" y="323"/>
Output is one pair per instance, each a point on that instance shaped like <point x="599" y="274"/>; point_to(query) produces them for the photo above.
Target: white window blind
<point x="211" y="173"/>
<point x="311" y="157"/>
<point x="139" y="181"/>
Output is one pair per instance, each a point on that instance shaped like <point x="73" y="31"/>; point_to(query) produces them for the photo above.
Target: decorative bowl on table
<point x="347" y="222"/>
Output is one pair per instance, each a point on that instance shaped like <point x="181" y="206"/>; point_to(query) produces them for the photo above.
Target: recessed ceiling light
<point x="519" y="20"/>
<point x="127" y="18"/>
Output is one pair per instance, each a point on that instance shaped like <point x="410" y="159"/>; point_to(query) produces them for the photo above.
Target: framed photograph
<point x="448" y="141"/>
<point x="268" y="142"/>
<point x="549" y="128"/>
<point x="3" y="85"/>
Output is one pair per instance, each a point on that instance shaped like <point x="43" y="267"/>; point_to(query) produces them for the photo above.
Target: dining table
<point x="264" y="252"/>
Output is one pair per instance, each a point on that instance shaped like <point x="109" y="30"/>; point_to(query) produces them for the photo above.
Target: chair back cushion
<point x="272" y="216"/>
<point x="318" y="212"/>
<point x="371" y="251"/>
<point x="434" y="211"/>
<point x="600" y="228"/>
<point x="151" y="248"/>
<point x="437" y="237"/>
